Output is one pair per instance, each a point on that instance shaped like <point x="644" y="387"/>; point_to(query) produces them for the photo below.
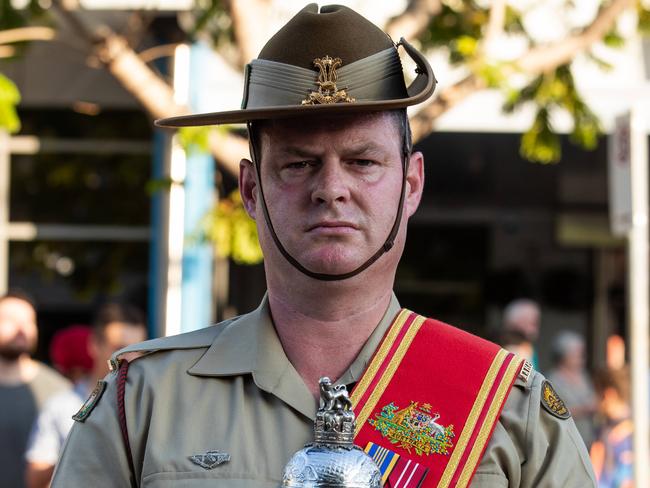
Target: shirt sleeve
<point x="532" y="446"/>
<point x="93" y="454"/>
<point x="44" y="444"/>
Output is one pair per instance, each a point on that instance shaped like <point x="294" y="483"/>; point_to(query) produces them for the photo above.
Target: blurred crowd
<point x="599" y="403"/>
<point x="37" y="402"/>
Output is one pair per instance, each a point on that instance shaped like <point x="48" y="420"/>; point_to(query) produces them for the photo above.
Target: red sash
<point x="433" y="394"/>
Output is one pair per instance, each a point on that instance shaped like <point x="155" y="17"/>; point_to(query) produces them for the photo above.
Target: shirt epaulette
<point x="189" y="340"/>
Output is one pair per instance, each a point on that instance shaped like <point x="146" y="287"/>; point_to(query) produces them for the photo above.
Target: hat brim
<point x="422" y="88"/>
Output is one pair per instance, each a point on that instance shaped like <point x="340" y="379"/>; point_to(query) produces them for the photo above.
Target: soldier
<point x="331" y="183"/>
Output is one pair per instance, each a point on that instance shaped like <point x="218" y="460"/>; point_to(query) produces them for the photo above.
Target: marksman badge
<point x="332" y="460"/>
<point x="210" y="459"/>
<point x="327" y="91"/>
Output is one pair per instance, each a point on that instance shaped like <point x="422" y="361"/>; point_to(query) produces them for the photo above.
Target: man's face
<point x="332" y="188"/>
<point x="18" y="332"/>
<point x="116" y="336"/>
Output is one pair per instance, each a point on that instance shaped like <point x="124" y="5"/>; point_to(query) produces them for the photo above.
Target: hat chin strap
<point x="387" y="246"/>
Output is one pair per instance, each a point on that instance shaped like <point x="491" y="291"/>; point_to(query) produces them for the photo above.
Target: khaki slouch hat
<point x="323" y="62"/>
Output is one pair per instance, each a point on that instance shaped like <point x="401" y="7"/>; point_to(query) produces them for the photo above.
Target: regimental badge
<point x="553" y="403"/>
<point x="327" y="91"/>
<point x="414" y="428"/>
<point x="210" y="459"/>
<point x="90" y="404"/>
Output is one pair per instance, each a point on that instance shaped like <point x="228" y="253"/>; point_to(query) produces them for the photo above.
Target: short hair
<point x="19" y="294"/>
<point x="562" y="343"/>
<point x="513" y="309"/>
<point x="512" y="338"/>
<point x="400" y="117"/>
<point x="116" y="312"/>
<point x="617" y="379"/>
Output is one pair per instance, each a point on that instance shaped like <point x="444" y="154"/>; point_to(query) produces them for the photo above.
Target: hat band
<point x="274" y="84"/>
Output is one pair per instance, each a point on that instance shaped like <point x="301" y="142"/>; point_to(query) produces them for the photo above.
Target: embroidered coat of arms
<point x="414" y="428"/>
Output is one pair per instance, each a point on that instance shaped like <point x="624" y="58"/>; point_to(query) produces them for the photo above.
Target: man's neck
<point x="322" y="333"/>
<point x="18" y="371"/>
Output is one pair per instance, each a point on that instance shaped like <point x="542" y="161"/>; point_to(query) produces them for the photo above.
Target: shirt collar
<point x="250" y="345"/>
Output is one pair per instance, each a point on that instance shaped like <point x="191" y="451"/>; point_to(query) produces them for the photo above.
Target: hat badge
<point x="327" y="90"/>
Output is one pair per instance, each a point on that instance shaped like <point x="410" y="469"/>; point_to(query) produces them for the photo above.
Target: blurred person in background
<point x="611" y="453"/>
<point x="516" y="342"/>
<point x="521" y="316"/>
<point x="115" y="326"/>
<point x="25" y="384"/>
<point x="615" y="352"/>
<point x="70" y="353"/>
<point x="570" y="379"/>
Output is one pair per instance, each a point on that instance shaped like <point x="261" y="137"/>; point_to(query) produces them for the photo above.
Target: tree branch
<point x="495" y="24"/>
<point x="546" y="58"/>
<point x="7" y="52"/>
<point x="156" y="96"/>
<point x="153" y="53"/>
<point x="422" y="122"/>
<point x="535" y="61"/>
<point x="23" y="34"/>
<point x="250" y="33"/>
<point x="414" y="20"/>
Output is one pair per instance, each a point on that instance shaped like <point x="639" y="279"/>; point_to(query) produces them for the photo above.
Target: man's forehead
<point x="14" y="304"/>
<point x="358" y="132"/>
<point x="336" y="121"/>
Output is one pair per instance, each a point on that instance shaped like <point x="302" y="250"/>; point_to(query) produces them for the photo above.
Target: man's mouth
<point x="333" y="227"/>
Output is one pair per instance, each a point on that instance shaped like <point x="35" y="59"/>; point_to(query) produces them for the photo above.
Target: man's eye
<point x="299" y="165"/>
<point x="364" y="162"/>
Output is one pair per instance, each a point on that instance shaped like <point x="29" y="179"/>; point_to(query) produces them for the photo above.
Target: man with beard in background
<point x="25" y="384"/>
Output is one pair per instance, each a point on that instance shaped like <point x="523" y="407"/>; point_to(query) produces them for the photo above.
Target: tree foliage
<point x="9" y="99"/>
<point x="232" y="231"/>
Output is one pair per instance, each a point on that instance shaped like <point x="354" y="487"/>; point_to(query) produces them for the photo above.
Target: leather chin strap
<point x="387" y="246"/>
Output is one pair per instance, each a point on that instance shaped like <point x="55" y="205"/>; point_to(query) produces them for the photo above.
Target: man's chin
<point x="332" y="264"/>
<point x="12" y="353"/>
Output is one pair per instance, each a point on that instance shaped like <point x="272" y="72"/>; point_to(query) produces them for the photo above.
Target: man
<point x="571" y="379"/>
<point x="522" y="316"/>
<point x="25" y="384"/>
<point x="115" y="327"/>
<point x="331" y="184"/>
<point x="612" y="453"/>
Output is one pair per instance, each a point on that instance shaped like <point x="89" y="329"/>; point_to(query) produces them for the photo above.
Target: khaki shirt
<point x="231" y="388"/>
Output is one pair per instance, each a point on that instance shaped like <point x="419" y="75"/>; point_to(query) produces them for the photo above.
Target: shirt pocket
<point x="488" y="480"/>
<point x="204" y="480"/>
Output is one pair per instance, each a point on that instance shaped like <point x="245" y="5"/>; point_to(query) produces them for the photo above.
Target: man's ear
<point x="414" y="183"/>
<point x="248" y="186"/>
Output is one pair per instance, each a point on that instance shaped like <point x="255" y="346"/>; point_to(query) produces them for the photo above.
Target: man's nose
<point x="330" y="184"/>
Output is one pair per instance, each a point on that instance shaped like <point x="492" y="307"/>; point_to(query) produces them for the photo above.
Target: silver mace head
<point x="332" y="460"/>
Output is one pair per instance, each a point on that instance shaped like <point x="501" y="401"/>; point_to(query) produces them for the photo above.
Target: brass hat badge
<point x="327" y="90"/>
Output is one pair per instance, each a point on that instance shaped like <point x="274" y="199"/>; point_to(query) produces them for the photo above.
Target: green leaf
<point x="232" y="231"/>
<point x="466" y="46"/>
<point x="602" y="64"/>
<point x="643" y="20"/>
<point x="194" y="139"/>
<point x="156" y="185"/>
<point x="492" y="74"/>
<point x="9" y="99"/>
<point x="614" y="40"/>
<point x="540" y="144"/>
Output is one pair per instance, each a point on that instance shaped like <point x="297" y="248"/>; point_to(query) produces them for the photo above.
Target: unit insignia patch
<point x="553" y="403"/>
<point x="414" y="428"/>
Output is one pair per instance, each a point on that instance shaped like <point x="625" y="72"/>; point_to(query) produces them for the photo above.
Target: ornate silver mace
<point x="332" y="460"/>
